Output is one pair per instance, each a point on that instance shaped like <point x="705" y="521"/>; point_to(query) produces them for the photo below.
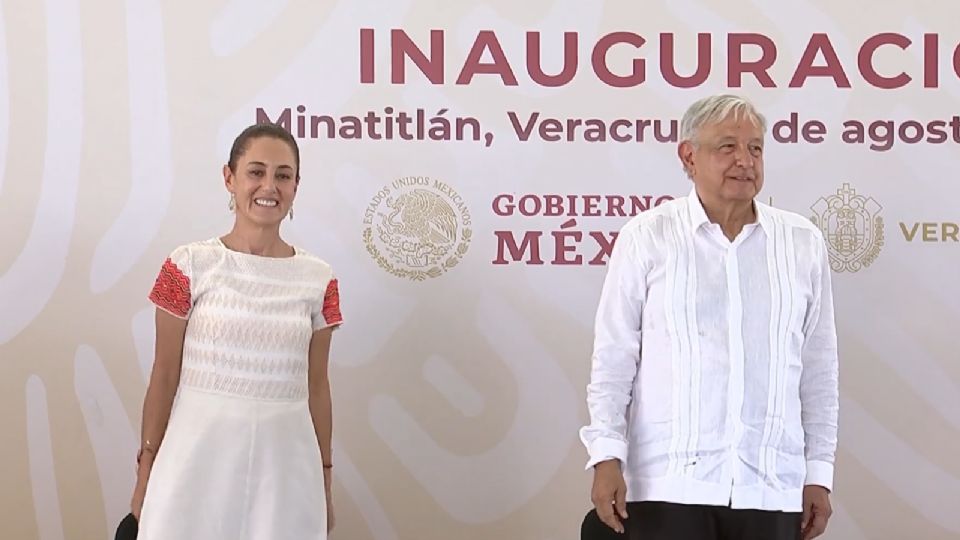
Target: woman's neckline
<point x="245" y="254"/>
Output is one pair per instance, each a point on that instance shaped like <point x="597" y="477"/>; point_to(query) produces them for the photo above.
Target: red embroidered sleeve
<point x="331" y="304"/>
<point x="171" y="292"/>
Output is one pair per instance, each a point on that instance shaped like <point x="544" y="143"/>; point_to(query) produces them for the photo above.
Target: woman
<point x="243" y="327"/>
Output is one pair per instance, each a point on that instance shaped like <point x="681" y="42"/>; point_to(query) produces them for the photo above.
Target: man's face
<point x="726" y="160"/>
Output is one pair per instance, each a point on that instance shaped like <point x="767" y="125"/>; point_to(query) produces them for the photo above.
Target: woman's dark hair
<point x="257" y="131"/>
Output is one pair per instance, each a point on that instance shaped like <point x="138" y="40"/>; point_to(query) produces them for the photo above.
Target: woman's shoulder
<point x="196" y="246"/>
<point x="312" y="262"/>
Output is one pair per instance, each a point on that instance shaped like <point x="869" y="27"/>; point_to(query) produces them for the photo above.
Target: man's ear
<point x="685" y="151"/>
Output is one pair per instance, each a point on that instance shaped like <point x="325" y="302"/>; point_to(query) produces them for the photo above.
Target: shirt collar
<point x="698" y="216"/>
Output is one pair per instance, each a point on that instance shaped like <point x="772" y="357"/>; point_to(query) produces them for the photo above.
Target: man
<point x="713" y="397"/>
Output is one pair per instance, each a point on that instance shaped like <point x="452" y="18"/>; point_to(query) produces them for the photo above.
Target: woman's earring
<point x="291" y="213"/>
<point x="233" y="202"/>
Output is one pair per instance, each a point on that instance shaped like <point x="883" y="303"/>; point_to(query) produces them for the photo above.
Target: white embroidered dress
<point x="240" y="458"/>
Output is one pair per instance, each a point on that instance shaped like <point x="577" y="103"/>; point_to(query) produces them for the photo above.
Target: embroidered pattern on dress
<point x="171" y="291"/>
<point x="331" y="303"/>
<point x="292" y="390"/>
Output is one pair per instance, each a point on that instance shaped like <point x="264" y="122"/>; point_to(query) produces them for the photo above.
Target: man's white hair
<point x="714" y="109"/>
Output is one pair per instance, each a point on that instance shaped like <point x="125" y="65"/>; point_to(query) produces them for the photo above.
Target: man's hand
<point x="610" y="494"/>
<point x="816" y="511"/>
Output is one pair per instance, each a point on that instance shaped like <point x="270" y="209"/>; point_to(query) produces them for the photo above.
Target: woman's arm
<point x="320" y="402"/>
<point x="158" y="401"/>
